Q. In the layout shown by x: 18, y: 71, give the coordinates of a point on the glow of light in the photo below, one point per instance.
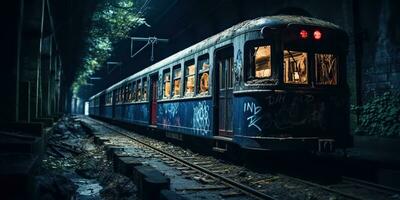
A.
x: 317, y: 35
x: 303, y: 34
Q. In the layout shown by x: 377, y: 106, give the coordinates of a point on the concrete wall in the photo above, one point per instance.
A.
x: 31, y: 76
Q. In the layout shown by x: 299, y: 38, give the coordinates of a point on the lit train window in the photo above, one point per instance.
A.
x: 177, y: 81
x: 167, y: 84
x: 127, y: 93
x: 295, y: 67
x: 138, y: 90
x: 203, y: 65
x: 121, y: 95
x: 144, y: 96
x: 133, y: 92
x: 189, y: 79
x: 326, y: 69
x: 262, y: 60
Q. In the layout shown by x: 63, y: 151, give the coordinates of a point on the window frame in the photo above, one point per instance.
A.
x: 133, y: 91
x: 249, y: 63
x: 127, y: 93
x: 188, y: 63
x: 166, y: 71
x: 145, y: 88
x: 310, y: 78
x: 138, y: 96
x: 338, y: 62
x: 200, y: 71
x: 174, y: 68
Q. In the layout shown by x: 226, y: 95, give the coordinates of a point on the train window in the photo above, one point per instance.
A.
x: 127, y: 93
x: 108, y: 100
x: 189, y: 78
x: 326, y: 69
x: 177, y: 81
x: 262, y: 61
x: 203, y: 65
x: 121, y: 95
x: 167, y: 84
x: 134, y: 88
x: 144, y: 98
x: 295, y: 67
x: 116, y: 95
x: 138, y: 90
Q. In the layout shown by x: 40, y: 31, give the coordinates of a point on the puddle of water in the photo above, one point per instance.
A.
x: 87, y: 188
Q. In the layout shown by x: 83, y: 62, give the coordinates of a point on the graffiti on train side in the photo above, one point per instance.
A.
x: 275, y: 99
x: 285, y: 112
x: 171, y: 109
x: 237, y: 67
x: 255, y: 114
x: 169, y: 113
x: 201, y: 118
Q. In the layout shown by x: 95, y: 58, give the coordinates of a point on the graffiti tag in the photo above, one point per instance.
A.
x: 201, y: 120
x: 255, y: 117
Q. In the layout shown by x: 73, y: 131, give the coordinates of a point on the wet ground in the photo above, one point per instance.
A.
x: 74, y: 167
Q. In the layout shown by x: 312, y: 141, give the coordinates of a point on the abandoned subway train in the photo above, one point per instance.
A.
x: 272, y: 83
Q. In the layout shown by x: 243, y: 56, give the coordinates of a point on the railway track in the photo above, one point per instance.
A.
x: 193, y: 165
x: 244, y: 182
x: 351, y: 188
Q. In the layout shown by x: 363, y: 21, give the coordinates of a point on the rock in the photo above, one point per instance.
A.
x: 55, y: 186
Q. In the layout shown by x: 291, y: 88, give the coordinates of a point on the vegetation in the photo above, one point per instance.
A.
x: 111, y: 22
x: 380, y: 116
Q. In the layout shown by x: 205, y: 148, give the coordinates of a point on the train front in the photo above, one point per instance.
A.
x: 294, y: 93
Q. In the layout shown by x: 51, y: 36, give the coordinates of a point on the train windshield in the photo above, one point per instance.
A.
x: 326, y: 69
x: 262, y: 60
x: 296, y: 65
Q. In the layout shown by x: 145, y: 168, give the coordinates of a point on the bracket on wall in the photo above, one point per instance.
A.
x: 114, y: 64
x: 150, y: 41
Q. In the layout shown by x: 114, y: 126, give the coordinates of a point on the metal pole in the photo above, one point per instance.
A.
x: 39, y: 61
x: 20, y: 26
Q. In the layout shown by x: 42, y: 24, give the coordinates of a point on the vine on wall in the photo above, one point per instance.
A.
x: 380, y: 116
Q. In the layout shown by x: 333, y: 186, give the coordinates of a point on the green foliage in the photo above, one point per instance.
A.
x: 380, y: 116
x: 111, y: 22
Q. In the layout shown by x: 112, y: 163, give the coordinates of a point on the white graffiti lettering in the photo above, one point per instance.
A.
x: 254, y: 111
x: 201, y: 120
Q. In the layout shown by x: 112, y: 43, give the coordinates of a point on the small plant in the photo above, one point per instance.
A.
x: 380, y: 116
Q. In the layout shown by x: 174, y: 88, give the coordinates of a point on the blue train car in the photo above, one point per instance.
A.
x: 272, y: 83
x: 94, y: 105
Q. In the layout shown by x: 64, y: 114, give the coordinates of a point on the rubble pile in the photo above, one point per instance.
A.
x: 74, y: 167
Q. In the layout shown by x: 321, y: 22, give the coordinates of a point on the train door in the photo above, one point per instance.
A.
x: 153, y: 100
x: 223, y: 68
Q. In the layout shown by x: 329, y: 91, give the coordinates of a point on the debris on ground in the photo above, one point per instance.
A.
x: 75, y: 167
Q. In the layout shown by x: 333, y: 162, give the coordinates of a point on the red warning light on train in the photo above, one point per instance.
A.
x: 317, y: 35
x: 303, y: 34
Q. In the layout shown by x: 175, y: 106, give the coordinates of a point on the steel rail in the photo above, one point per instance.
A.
x: 347, y: 195
x: 241, y: 187
x: 371, y: 185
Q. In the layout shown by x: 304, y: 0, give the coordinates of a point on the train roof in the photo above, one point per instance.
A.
x: 96, y: 95
x: 278, y: 21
